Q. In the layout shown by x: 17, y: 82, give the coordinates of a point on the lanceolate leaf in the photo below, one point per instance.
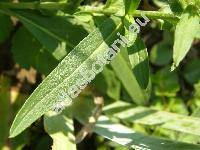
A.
x: 67, y: 79
x: 186, y: 31
x: 133, y: 140
x: 133, y: 71
x: 128, y: 79
x: 153, y: 118
x: 139, y: 60
x: 123, y: 135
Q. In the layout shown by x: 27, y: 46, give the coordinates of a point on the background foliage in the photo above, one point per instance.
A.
x: 147, y: 97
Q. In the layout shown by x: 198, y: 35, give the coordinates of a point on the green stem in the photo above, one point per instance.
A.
x: 136, y: 13
x: 63, y: 5
x: 155, y: 15
x: 34, y: 5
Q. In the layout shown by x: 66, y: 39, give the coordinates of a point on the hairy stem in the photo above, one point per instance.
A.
x: 34, y: 5
x: 136, y: 13
x: 155, y: 15
x: 63, y: 5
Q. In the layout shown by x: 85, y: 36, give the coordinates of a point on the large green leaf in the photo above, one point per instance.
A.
x: 60, y: 128
x: 67, y: 75
x: 186, y: 31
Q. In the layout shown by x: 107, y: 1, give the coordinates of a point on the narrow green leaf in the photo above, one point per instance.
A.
x: 186, y: 30
x: 133, y: 140
x: 67, y: 75
x: 58, y: 34
x: 153, y: 118
x: 60, y: 128
x: 128, y: 79
x: 139, y: 60
x: 123, y: 135
x: 133, y: 71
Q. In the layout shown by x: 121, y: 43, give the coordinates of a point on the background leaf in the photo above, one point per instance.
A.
x: 153, y: 118
x: 121, y: 134
x: 185, y: 33
x: 4, y: 109
x: 28, y: 52
x: 58, y: 34
x: 166, y: 82
x: 107, y: 83
x: 5, y: 27
x: 161, y: 53
x: 60, y: 128
x: 192, y: 71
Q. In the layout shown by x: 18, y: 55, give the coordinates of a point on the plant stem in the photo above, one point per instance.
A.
x: 136, y: 13
x: 155, y: 15
x: 34, y: 5
x: 63, y: 5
